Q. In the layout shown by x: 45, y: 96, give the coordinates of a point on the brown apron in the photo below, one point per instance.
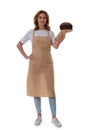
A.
x: 40, y: 78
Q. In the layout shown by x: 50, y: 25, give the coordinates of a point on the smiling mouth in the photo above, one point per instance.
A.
x: 42, y: 22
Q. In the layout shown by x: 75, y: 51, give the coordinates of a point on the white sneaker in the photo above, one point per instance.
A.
x: 38, y: 120
x: 56, y: 122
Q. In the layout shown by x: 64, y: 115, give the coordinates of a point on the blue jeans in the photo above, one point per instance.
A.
x: 52, y: 102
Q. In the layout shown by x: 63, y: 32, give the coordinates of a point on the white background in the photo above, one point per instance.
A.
x: 17, y: 111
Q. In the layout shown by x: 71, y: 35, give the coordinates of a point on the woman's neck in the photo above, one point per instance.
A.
x: 41, y: 28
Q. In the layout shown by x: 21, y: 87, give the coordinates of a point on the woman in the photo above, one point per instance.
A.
x: 40, y: 78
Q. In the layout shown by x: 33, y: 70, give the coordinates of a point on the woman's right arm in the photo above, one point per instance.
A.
x: 20, y: 48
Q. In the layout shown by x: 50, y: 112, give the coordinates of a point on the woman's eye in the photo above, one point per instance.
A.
x: 42, y: 17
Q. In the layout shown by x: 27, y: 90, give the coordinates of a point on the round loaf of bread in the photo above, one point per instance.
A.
x: 66, y: 25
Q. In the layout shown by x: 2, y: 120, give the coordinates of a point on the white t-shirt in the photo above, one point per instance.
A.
x: 29, y: 35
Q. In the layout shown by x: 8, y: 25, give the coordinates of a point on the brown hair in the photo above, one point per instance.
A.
x: 36, y: 20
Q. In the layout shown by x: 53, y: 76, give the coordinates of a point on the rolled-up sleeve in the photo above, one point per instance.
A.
x: 26, y: 37
x: 52, y: 36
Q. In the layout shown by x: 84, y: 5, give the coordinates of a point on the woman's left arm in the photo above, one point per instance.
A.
x: 59, y: 38
x: 55, y: 44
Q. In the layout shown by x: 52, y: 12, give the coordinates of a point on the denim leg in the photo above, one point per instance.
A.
x: 37, y: 101
x: 52, y: 102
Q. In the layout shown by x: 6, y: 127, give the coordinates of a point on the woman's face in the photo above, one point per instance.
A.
x: 42, y: 20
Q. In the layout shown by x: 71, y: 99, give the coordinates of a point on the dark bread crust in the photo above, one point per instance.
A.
x: 66, y: 25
